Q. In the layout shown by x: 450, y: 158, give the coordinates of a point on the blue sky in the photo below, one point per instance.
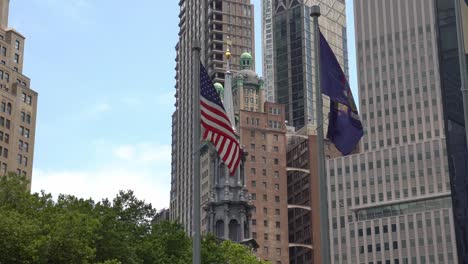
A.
x: 104, y: 71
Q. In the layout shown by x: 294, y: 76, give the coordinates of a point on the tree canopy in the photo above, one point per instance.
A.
x: 35, y: 228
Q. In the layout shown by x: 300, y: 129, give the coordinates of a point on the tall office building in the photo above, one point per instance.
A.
x: 213, y: 22
x: 303, y: 194
x: 18, y: 102
x: 452, y: 99
x: 391, y: 204
x: 267, y: 49
x: 294, y: 60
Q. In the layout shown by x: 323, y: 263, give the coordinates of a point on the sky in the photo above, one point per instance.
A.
x: 104, y: 71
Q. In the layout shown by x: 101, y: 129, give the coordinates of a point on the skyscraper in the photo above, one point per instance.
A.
x: 18, y: 102
x: 454, y: 119
x: 267, y: 48
x: 213, y: 22
x: 391, y: 204
x: 294, y: 61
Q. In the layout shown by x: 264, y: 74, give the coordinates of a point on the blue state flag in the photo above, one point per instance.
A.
x: 344, y: 127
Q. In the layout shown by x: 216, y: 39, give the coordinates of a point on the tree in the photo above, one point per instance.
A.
x: 35, y: 228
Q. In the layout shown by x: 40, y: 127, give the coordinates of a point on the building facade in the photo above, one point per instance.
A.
x: 303, y: 194
x: 454, y: 122
x: 263, y: 134
x: 18, y: 106
x: 391, y: 204
x: 294, y: 60
x: 267, y: 49
x: 215, y: 23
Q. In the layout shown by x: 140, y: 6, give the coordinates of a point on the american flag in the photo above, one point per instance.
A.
x: 218, y: 128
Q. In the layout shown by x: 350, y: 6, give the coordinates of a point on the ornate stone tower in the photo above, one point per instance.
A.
x: 248, y: 87
x: 228, y: 208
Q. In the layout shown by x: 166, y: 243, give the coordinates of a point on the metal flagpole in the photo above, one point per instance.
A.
x: 461, y: 55
x: 196, y: 254
x: 324, y: 239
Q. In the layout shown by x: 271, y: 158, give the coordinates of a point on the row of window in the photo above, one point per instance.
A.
x: 264, y: 184
x: 4, y: 137
x: 263, y: 135
x: 24, y: 131
x: 4, y: 76
x: 414, y: 260
x: 5, y: 122
x: 22, y: 160
x: 26, y: 117
x: 378, y: 164
x: 5, y: 108
x: 265, y: 223
x: 264, y: 159
x: 20, y: 172
x: 264, y: 172
x: 23, y: 145
x: 263, y: 147
x: 265, y: 197
x: 26, y: 98
x: 3, y: 152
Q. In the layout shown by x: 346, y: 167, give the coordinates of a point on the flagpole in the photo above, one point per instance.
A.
x: 324, y: 231
x: 462, y: 60
x: 196, y: 238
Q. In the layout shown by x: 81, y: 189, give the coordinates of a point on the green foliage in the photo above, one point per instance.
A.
x: 36, y: 229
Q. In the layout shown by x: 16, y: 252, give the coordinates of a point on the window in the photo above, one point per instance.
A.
x: 277, y: 199
x: 26, y: 146
x: 3, y: 107
x: 16, y: 58
x: 277, y: 211
x: 28, y: 100
x: 276, y: 161
x: 254, y: 184
x: 20, y: 159
x: 7, y: 138
x: 28, y: 118
x: 4, y: 51
x: 5, y: 153
x: 17, y: 44
x: 278, y: 224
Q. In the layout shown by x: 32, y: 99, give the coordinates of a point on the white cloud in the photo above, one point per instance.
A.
x: 143, y: 168
x: 103, y: 107
x: 144, y: 152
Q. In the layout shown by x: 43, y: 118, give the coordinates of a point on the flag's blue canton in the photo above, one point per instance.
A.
x: 344, y: 127
x: 207, y: 89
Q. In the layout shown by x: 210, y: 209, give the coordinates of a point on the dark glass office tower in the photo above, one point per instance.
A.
x: 452, y: 100
x: 294, y: 62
